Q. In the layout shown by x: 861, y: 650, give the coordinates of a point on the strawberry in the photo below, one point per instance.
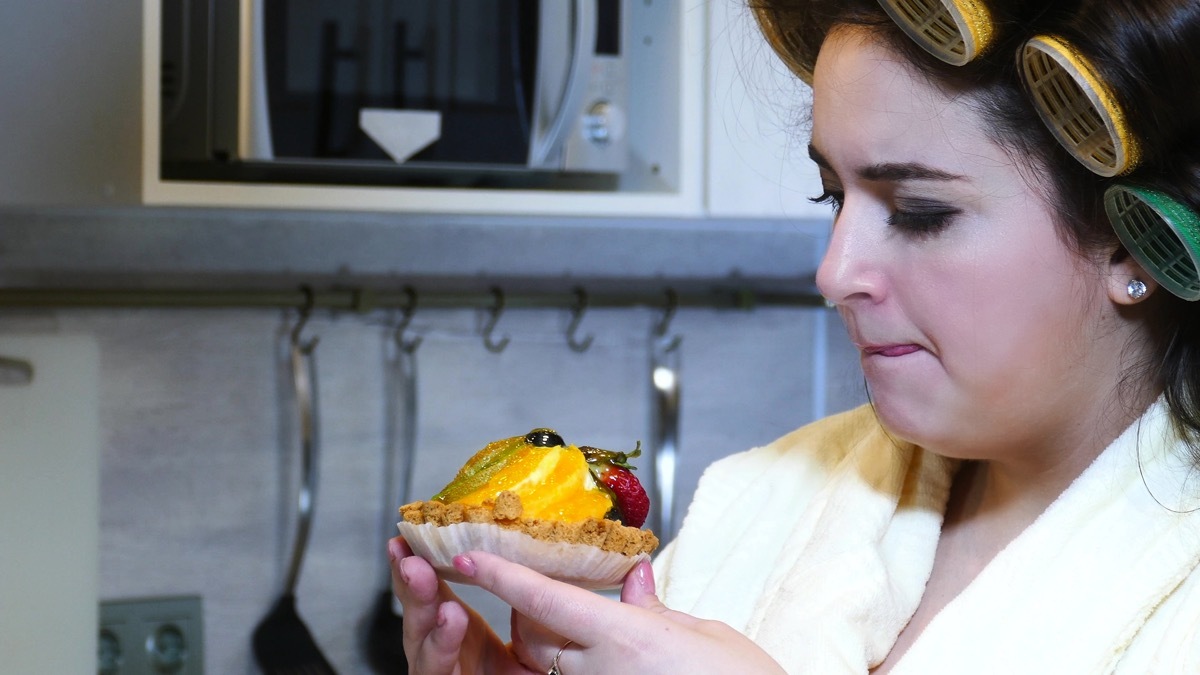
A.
x: 613, y: 471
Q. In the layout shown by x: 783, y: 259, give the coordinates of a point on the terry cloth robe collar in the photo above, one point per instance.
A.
x: 819, y: 547
x: 1072, y: 591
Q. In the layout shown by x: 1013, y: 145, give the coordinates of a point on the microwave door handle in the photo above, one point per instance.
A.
x: 583, y: 45
x: 254, y: 118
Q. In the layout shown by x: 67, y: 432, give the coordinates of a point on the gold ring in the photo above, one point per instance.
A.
x: 554, y: 669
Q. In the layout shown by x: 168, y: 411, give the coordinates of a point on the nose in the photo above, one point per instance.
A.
x: 852, y: 266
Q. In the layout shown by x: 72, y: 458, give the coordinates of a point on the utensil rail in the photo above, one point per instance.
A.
x: 365, y: 300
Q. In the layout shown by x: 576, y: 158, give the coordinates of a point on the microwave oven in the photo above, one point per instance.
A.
x: 394, y: 92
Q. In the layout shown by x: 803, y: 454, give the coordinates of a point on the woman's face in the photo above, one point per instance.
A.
x: 979, y: 330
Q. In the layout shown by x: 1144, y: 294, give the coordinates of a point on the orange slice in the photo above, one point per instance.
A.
x: 553, y: 483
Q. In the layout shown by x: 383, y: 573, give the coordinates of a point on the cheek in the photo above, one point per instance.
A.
x: 967, y: 286
x: 1010, y: 321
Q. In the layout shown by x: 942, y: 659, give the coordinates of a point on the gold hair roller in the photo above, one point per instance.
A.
x: 1078, y: 106
x: 784, y: 42
x: 955, y: 31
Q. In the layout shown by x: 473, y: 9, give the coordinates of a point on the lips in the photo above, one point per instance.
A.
x: 889, y: 350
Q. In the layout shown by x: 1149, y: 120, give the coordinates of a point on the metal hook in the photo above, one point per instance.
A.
x: 310, y: 301
x: 407, y: 311
x: 664, y: 323
x: 496, y: 311
x: 577, y: 311
x: 668, y: 313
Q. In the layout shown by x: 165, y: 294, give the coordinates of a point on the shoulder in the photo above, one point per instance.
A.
x: 795, y: 464
x: 748, y: 506
x: 824, y: 443
x: 1169, y: 641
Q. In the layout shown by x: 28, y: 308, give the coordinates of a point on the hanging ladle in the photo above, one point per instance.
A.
x: 664, y: 381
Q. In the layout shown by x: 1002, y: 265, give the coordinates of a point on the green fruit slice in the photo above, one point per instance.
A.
x: 487, y: 462
x: 480, y: 469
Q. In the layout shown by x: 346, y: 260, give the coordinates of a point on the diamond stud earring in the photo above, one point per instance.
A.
x: 1136, y: 289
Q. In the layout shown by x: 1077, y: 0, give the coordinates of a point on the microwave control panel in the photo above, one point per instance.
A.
x: 598, y: 141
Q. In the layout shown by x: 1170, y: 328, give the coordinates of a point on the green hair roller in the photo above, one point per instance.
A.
x: 1161, y: 233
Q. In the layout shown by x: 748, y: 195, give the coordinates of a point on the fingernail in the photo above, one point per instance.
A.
x: 441, y: 616
x: 644, y: 574
x: 404, y: 570
x: 464, y: 564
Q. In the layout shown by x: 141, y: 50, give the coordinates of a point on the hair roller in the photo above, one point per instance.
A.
x: 784, y: 35
x: 1115, y: 81
x: 955, y: 31
x: 1078, y: 106
x: 1161, y: 233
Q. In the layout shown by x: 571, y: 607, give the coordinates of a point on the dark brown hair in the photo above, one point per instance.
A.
x: 1147, y: 51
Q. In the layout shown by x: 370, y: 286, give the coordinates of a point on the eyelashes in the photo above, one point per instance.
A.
x: 830, y: 198
x: 920, y: 223
x: 917, y: 218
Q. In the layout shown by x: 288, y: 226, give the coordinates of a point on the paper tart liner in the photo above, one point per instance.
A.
x: 579, y: 564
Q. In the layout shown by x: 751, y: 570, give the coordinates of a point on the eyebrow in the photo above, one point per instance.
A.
x: 890, y: 171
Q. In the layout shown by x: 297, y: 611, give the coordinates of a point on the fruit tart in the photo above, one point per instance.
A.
x: 571, y: 513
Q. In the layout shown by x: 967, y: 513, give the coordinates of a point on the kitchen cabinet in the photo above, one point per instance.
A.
x: 717, y: 139
x: 49, y: 503
x: 70, y: 120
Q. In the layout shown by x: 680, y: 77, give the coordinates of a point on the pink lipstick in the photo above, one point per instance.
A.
x: 890, y: 350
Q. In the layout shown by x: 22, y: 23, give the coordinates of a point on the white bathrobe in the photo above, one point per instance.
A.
x: 819, y: 547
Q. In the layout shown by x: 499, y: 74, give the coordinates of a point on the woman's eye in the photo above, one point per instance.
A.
x: 922, y: 221
x: 833, y: 198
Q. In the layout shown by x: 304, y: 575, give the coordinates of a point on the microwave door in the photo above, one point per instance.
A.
x: 333, y: 66
x: 566, y: 41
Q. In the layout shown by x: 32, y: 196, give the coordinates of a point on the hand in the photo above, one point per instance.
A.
x: 638, y: 634
x: 442, y: 635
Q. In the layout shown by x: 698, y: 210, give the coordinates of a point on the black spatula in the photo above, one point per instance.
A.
x: 282, y: 642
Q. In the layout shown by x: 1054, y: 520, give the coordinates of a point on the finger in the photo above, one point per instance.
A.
x: 397, y: 547
x: 638, y: 588
x: 639, y: 591
x: 434, y: 628
x: 416, y: 585
x: 572, y: 612
x: 438, y: 652
x: 533, y: 644
x: 413, y: 579
x: 514, y: 630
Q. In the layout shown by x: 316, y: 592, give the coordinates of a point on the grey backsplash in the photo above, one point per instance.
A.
x: 199, y: 452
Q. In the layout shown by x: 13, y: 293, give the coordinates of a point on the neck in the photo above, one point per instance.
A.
x: 1009, y: 492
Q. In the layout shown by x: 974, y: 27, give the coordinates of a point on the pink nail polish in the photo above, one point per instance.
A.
x: 464, y: 564
x: 645, y: 577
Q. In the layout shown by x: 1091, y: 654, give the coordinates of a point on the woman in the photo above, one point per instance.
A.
x: 1019, y: 495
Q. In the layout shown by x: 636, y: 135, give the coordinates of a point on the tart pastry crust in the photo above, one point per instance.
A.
x: 506, y: 510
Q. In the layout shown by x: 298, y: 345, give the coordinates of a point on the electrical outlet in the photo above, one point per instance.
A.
x: 151, y: 636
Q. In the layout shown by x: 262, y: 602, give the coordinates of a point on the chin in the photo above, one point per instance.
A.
x: 909, y: 419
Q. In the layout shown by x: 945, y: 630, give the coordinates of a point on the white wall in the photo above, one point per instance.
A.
x: 198, y: 463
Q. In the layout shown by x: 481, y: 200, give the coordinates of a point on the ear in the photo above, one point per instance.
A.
x: 1123, y: 269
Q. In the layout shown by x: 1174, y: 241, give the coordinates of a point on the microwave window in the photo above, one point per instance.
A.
x: 470, y: 60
